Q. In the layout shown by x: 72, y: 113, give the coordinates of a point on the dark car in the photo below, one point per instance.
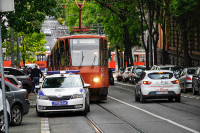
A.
x: 196, y: 82
x: 185, y: 78
x: 21, y: 76
x: 111, y: 78
x: 19, y: 102
x: 135, y: 73
x: 119, y: 73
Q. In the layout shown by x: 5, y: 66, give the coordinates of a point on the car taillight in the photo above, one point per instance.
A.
x: 175, y: 81
x: 147, y: 82
x: 30, y: 79
x: 188, y: 78
x: 26, y: 95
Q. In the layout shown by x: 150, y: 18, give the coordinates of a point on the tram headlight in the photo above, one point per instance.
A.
x: 96, y: 80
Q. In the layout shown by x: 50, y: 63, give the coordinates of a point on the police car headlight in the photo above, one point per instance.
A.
x: 77, y: 96
x: 96, y: 80
x: 42, y: 97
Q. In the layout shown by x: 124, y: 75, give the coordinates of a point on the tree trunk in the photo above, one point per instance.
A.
x: 164, y: 44
x: 18, y: 51
x: 185, y: 43
x: 12, y: 48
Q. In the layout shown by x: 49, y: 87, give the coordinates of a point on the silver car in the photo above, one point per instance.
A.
x: 19, y: 102
x: 185, y: 78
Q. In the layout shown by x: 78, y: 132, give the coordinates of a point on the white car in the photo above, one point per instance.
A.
x: 47, y: 32
x: 63, y: 92
x: 2, y: 124
x: 157, y: 84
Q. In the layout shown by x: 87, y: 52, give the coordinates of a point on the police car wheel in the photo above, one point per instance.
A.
x: 86, y: 110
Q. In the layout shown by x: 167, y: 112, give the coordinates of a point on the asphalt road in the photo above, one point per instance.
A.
x: 121, y: 114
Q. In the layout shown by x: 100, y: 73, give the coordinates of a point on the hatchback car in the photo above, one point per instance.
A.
x: 125, y: 75
x: 155, y: 84
x: 63, y: 92
x: 135, y: 73
x: 21, y: 76
x: 186, y: 78
x: 196, y: 82
x: 19, y: 102
x: 2, y: 124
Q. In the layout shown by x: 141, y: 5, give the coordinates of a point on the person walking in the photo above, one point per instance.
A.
x: 36, y: 74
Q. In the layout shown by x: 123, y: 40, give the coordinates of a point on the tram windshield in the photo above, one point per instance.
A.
x: 84, y: 52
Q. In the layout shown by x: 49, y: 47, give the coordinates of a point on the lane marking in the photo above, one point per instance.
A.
x: 45, y: 125
x: 124, y: 84
x: 123, y: 88
x: 157, y: 116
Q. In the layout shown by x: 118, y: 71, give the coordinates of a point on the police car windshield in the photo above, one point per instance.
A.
x: 62, y: 82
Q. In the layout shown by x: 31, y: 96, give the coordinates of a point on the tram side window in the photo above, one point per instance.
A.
x: 62, y: 54
x: 142, y: 58
x: 104, y: 53
x: 135, y: 58
x: 67, y: 53
x: 40, y: 57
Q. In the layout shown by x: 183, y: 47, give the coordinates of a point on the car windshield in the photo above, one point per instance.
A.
x: 191, y: 71
x: 84, y: 52
x: 62, y: 82
x: 160, y: 75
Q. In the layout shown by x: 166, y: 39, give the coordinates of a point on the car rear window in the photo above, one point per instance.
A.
x: 62, y: 82
x: 191, y: 71
x: 160, y: 75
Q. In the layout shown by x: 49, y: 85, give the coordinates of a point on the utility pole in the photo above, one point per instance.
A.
x: 5, y: 6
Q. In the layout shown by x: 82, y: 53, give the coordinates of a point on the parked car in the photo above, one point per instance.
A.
x: 21, y: 76
x: 176, y: 70
x: 162, y: 67
x: 125, y: 75
x: 111, y: 78
x: 135, y: 73
x: 61, y: 93
x: 186, y: 78
x: 2, y: 124
x: 196, y: 82
x: 156, y: 84
x: 14, y: 81
x: 47, y: 32
x: 119, y: 73
x: 19, y: 102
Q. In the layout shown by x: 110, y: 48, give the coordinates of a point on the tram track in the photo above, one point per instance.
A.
x: 93, y: 125
x: 120, y: 118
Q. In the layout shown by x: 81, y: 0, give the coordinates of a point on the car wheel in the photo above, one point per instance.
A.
x: 16, y: 115
x: 142, y: 99
x: 39, y: 114
x: 193, y: 90
x: 178, y: 98
x: 87, y: 108
x: 137, y: 99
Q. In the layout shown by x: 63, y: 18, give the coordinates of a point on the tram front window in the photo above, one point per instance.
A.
x: 84, y: 52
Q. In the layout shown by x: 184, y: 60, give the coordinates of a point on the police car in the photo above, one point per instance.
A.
x: 63, y: 92
x: 157, y: 84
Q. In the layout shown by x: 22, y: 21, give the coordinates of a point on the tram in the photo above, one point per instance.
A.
x: 86, y: 53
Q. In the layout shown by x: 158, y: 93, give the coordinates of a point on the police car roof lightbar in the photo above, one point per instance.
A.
x: 62, y: 72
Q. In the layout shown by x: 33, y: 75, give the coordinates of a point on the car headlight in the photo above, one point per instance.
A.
x: 96, y: 80
x: 77, y: 96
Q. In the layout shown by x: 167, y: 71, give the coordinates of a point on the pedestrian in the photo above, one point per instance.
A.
x: 36, y: 74
x: 26, y: 70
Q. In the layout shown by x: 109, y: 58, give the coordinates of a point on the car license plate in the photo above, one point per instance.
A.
x: 162, y: 92
x: 58, y: 103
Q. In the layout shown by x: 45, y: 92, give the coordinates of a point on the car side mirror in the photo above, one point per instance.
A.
x: 86, y: 85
